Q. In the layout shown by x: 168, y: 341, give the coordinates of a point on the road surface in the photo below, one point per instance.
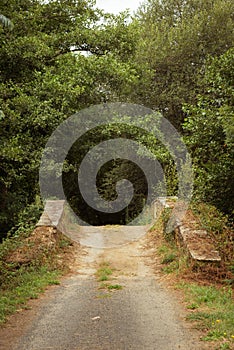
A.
x: 78, y: 315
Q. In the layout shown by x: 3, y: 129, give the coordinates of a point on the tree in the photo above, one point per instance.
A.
x: 209, y: 130
x: 44, y: 78
x: 175, y: 39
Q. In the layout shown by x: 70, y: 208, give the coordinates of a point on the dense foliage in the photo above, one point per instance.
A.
x: 210, y: 133
x: 176, y: 36
x: 186, y: 48
x: 44, y: 79
x: 173, y: 56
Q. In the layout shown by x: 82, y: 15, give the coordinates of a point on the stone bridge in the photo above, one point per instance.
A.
x: 197, y: 242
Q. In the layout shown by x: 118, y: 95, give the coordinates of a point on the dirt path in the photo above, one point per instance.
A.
x: 78, y: 315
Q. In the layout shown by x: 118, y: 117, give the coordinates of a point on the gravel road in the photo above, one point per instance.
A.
x: 78, y: 315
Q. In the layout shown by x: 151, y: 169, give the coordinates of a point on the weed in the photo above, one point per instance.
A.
x: 224, y: 346
x: 104, y: 272
x: 103, y: 285
x: 163, y: 249
x: 212, y: 306
x: 218, y: 225
x: 168, y: 258
x: 103, y: 278
x: 171, y: 257
x: 210, y: 218
x: 29, y: 285
x: 64, y: 243
x: 192, y: 306
x: 115, y: 286
x: 214, y: 310
x: 173, y: 266
x: 27, y: 265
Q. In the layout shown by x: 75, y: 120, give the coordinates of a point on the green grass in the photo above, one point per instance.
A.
x: 108, y: 286
x: 115, y: 287
x: 171, y: 267
x: 211, y: 307
x: 27, y: 285
x: 21, y: 281
x: 171, y: 257
x: 214, y: 311
x: 103, y: 274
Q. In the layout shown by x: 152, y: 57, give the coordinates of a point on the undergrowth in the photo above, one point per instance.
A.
x: 29, y: 262
x: 220, y: 227
x: 212, y: 310
x: 23, y: 285
x: 207, y: 287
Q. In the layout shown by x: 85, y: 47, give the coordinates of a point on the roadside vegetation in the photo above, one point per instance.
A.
x: 212, y: 310
x: 59, y: 57
x: 30, y: 261
x: 207, y: 288
x: 175, y: 57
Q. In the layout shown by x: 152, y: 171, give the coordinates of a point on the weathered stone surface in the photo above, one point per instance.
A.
x: 53, y: 213
x: 161, y: 203
x: 197, y: 242
x: 57, y: 215
x: 44, y: 220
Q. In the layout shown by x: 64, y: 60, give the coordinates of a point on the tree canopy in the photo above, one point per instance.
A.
x: 209, y: 130
x: 62, y: 56
x: 47, y: 73
x: 176, y: 37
